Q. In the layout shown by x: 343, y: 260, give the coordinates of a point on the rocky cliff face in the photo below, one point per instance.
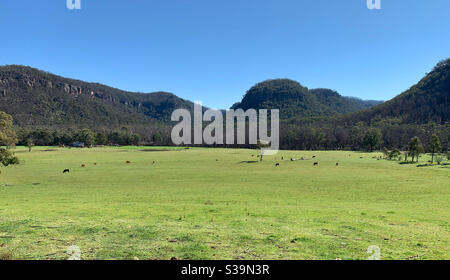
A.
x: 36, y: 97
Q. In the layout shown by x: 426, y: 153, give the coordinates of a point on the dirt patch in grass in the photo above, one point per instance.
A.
x: 6, y: 255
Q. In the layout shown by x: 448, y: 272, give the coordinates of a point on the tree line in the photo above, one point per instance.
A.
x: 315, y: 135
x: 47, y: 137
x: 416, y: 148
x: 332, y: 135
x: 397, y: 141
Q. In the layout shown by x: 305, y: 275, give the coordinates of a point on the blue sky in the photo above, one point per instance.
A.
x: 213, y: 51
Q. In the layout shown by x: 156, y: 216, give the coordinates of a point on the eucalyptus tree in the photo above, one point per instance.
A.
x: 434, y: 146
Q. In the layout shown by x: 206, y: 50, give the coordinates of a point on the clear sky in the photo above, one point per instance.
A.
x: 215, y: 50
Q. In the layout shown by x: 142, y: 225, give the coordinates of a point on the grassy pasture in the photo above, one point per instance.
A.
x: 221, y: 204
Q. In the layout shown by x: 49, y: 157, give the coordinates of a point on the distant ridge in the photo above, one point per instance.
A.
x: 45, y: 104
x: 295, y: 100
x: 35, y: 97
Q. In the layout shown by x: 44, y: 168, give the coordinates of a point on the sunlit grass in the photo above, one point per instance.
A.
x: 221, y: 204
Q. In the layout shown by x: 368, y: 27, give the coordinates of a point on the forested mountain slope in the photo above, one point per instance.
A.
x: 35, y: 97
x: 295, y: 100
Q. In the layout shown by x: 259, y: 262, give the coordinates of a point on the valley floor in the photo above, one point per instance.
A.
x: 221, y: 204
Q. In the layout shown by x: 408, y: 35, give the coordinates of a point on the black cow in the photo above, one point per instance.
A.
x: 66, y: 171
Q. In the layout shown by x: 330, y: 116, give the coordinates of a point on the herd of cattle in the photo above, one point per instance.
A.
x: 84, y: 165
x: 276, y: 164
x: 296, y: 159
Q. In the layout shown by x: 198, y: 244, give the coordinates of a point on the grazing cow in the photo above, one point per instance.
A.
x: 128, y: 161
x: 83, y: 165
x: 282, y: 158
x: 360, y: 157
x: 217, y: 160
x: 314, y: 157
x: 66, y: 171
x: 154, y: 162
x: 277, y: 164
x: 316, y: 163
x: 95, y: 163
x: 337, y: 163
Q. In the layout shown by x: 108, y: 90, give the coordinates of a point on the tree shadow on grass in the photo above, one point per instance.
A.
x: 424, y: 165
x: 407, y: 162
x: 248, y: 161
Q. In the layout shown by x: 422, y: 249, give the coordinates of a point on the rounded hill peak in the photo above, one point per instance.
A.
x: 277, y: 86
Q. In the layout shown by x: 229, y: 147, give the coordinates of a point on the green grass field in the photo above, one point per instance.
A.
x: 190, y: 206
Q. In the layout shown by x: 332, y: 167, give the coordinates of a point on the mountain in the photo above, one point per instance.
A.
x: 35, y: 97
x: 426, y: 102
x: 295, y: 100
x: 342, y: 104
x: 44, y: 106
